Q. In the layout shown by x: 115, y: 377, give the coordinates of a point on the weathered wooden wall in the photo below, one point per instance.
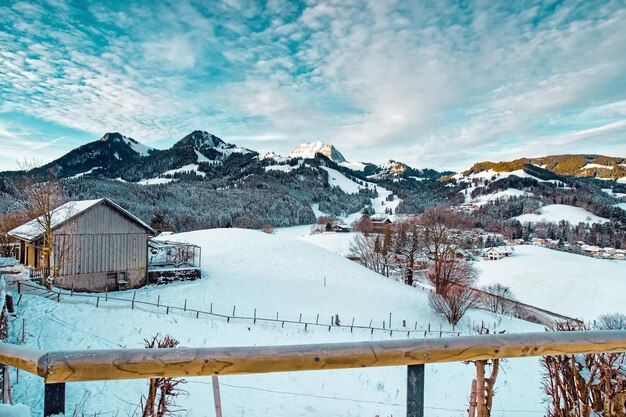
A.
x: 98, y: 241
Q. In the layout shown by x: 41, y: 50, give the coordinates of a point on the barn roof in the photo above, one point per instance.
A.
x: 34, y: 229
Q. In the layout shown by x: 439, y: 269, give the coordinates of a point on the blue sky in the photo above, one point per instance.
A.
x: 434, y: 84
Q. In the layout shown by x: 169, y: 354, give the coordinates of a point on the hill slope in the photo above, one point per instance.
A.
x: 596, y: 166
x: 274, y: 274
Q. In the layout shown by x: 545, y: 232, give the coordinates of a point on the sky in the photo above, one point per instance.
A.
x: 433, y: 84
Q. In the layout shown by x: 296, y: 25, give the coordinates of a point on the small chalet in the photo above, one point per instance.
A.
x: 498, y: 252
x: 96, y: 246
x: 458, y: 252
x: 342, y: 228
x: 380, y: 224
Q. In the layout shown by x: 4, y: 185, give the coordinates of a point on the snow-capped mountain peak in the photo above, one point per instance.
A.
x: 199, y: 139
x: 310, y: 149
x: 116, y: 137
x: 394, y: 167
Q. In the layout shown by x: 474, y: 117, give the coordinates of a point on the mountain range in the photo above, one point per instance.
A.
x: 577, y: 165
x: 117, y: 156
x: 203, y: 181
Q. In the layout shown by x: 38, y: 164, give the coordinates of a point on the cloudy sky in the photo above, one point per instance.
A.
x: 431, y: 83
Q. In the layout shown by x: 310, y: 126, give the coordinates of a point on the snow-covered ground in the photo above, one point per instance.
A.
x: 337, y: 179
x: 379, y: 204
x: 338, y: 243
x: 557, y: 212
x: 274, y: 273
x: 574, y: 285
x: 186, y: 169
x: 508, y: 193
x: 610, y: 192
x: 592, y: 166
x: 155, y: 181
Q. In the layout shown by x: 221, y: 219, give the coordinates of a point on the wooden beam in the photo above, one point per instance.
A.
x: 23, y: 357
x: 94, y: 365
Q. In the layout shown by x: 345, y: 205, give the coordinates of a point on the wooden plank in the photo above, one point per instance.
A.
x: 415, y: 391
x: 93, y: 365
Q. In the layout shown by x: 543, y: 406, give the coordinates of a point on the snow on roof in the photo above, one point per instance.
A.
x: 33, y: 229
x: 501, y: 249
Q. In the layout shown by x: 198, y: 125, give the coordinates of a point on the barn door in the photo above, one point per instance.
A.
x: 112, y: 284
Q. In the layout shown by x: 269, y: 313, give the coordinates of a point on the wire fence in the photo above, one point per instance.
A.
x: 329, y: 321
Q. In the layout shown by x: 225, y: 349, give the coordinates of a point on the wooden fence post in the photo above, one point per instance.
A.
x: 254, y: 322
x: 216, y: 396
x: 132, y: 305
x: 415, y: 391
x: 54, y: 399
x: 7, y: 397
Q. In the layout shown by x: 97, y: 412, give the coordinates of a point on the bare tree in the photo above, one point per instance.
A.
x: 408, y: 241
x: 364, y: 225
x: 453, y: 303
x: 8, y: 222
x: 497, y: 298
x: 371, y: 251
x: 450, y: 272
x: 41, y: 195
x: 439, y: 243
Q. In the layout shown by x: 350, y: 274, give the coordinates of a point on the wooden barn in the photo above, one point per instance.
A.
x: 96, y: 246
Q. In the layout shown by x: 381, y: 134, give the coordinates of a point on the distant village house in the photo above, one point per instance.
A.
x: 498, y: 252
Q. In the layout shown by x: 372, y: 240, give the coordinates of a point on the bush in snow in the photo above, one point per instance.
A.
x: 612, y: 321
x: 497, y: 299
x: 584, y: 385
x: 453, y: 303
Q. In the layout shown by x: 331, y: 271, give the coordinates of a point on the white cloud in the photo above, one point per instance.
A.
x: 421, y: 82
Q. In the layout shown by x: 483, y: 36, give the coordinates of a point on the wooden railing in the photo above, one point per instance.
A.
x: 59, y: 367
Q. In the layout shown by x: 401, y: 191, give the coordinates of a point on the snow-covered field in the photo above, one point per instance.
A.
x: 557, y: 212
x: 379, y: 204
x: 574, y: 285
x: 274, y: 273
x: 508, y: 193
